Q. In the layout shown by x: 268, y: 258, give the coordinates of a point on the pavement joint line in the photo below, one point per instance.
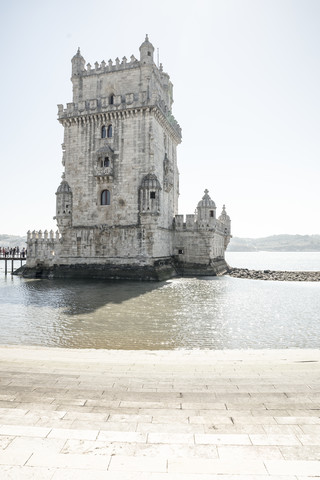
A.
x: 176, y: 372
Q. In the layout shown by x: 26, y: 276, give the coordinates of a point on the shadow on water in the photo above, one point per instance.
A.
x: 207, y: 312
x: 113, y: 314
x: 79, y: 296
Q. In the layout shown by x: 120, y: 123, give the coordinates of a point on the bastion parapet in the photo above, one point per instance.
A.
x: 117, y: 203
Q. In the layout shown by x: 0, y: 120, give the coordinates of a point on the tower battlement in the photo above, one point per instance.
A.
x: 117, y: 203
x: 125, y: 105
x: 124, y: 64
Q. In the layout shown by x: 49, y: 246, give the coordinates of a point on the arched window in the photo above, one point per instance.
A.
x: 105, y: 197
x: 109, y: 131
x: 111, y: 99
x: 106, y: 162
x: 103, y: 132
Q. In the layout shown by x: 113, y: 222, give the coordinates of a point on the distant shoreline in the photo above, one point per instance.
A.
x: 274, y: 243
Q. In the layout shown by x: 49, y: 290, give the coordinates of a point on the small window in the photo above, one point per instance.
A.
x: 111, y: 100
x: 103, y: 132
x: 180, y: 251
x: 106, y: 162
x: 152, y: 194
x: 149, y: 54
x: 211, y: 213
x: 105, y: 197
x: 109, y: 132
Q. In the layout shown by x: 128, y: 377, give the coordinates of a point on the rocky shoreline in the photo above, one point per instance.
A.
x: 282, y: 276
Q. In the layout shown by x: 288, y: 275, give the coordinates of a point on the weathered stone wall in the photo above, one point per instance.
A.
x: 198, y: 244
x: 215, y: 267
x: 109, y: 271
x: 121, y: 115
x: 141, y: 140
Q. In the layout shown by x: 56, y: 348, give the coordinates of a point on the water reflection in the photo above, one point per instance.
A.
x: 210, y: 313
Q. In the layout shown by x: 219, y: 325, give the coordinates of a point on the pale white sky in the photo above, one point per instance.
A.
x: 246, y: 77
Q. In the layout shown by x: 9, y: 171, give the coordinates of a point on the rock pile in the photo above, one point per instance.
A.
x: 274, y: 275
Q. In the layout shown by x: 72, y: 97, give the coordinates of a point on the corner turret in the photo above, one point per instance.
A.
x: 206, y: 210
x: 146, y: 52
x: 63, y: 206
x: 78, y: 68
x: 78, y: 63
x: 225, y: 219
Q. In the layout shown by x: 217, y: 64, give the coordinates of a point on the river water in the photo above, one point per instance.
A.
x: 182, y: 313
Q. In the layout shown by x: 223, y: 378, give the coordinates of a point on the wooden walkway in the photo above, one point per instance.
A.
x: 12, y: 260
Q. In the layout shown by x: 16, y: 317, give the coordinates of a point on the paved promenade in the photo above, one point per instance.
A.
x: 132, y: 415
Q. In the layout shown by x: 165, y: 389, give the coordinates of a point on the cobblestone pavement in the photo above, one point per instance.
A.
x: 176, y: 415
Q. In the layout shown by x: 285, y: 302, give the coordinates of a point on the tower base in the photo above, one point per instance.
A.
x: 161, y: 270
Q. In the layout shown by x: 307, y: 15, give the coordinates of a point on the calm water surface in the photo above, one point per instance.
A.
x: 193, y: 313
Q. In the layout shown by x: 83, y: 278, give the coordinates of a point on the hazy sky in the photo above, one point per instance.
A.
x: 246, y: 77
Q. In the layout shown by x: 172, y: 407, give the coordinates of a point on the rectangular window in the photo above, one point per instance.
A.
x: 152, y: 194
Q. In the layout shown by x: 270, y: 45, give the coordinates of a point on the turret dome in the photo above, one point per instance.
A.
x: 78, y: 63
x: 224, y: 217
x: 146, y: 44
x: 150, y: 181
x: 64, y: 187
x: 206, y: 201
x: 78, y: 55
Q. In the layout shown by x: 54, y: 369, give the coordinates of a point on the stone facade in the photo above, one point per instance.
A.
x: 117, y: 204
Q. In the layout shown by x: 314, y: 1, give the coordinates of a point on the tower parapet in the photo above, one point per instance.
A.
x: 42, y: 247
x: 108, y: 87
x: 117, y: 203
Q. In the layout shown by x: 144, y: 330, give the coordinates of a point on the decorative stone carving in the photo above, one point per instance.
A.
x: 117, y: 204
x: 167, y: 174
x: 149, y: 193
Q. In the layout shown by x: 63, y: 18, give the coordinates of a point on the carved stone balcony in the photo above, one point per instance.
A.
x: 103, y: 173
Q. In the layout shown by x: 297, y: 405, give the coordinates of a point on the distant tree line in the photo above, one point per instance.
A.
x: 276, y: 243
x: 13, y: 241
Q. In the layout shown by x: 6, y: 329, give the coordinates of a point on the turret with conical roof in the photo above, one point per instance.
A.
x: 146, y: 52
x: 78, y: 63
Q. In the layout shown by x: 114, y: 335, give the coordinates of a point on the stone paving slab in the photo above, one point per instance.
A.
x: 159, y: 415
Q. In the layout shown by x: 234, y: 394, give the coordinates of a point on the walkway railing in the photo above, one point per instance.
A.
x: 18, y: 257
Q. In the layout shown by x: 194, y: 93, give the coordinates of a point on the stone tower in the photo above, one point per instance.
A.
x: 117, y: 203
